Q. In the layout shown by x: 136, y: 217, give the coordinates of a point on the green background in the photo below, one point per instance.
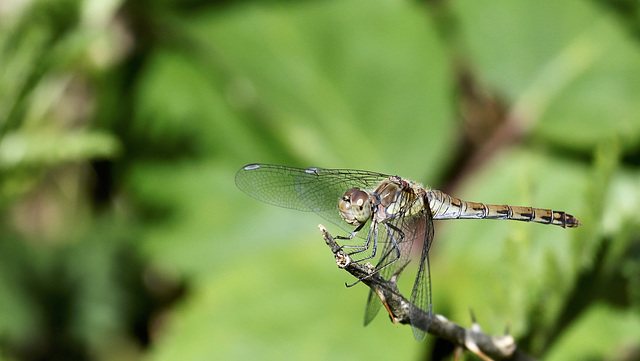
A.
x: 122, y: 124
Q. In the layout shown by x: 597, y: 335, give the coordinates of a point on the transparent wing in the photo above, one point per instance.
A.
x: 421, y: 293
x: 399, y: 235
x: 311, y: 190
x: 388, y: 254
x: 372, y: 308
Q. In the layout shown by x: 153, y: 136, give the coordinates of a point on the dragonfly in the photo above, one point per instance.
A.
x: 392, y: 214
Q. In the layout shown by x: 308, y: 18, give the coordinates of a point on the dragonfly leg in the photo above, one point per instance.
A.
x: 362, y: 248
x: 351, y: 235
x: 395, y: 248
x: 373, y: 234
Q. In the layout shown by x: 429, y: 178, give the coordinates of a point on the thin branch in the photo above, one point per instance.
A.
x: 473, y: 339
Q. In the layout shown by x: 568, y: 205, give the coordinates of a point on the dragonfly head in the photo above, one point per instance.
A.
x: 355, y: 206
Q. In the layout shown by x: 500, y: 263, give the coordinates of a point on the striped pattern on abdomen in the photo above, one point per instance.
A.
x: 444, y: 206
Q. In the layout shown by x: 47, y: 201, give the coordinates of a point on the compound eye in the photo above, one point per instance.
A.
x: 359, y: 199
x: 355, y: 206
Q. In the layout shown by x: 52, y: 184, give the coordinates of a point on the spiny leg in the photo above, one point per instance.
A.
x: 352, y: 234
x: 395, y: 247
x: 373, y: 234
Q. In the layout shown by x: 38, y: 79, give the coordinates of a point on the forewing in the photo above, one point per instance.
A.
x: 399, y: 235
x: 311, y: 190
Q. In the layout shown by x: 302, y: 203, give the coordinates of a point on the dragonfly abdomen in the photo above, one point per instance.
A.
x: 444, y: 206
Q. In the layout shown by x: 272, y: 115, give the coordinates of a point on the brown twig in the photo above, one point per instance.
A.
x: 473, y: 339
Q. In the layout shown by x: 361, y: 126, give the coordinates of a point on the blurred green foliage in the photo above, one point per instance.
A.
x: 122, y: 125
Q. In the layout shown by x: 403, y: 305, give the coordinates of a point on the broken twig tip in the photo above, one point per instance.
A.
x: 342, y: 259
x: 328, y: 239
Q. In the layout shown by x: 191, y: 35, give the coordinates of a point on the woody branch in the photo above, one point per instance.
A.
x: 473, y: 339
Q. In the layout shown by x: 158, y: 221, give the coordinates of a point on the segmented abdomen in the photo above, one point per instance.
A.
x: 444, y: 206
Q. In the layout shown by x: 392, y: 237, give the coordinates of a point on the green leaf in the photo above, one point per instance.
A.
x: 334, y: 84
x: 566, y: 66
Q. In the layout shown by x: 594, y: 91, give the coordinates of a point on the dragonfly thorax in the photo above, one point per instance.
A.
x: 355, y: 207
